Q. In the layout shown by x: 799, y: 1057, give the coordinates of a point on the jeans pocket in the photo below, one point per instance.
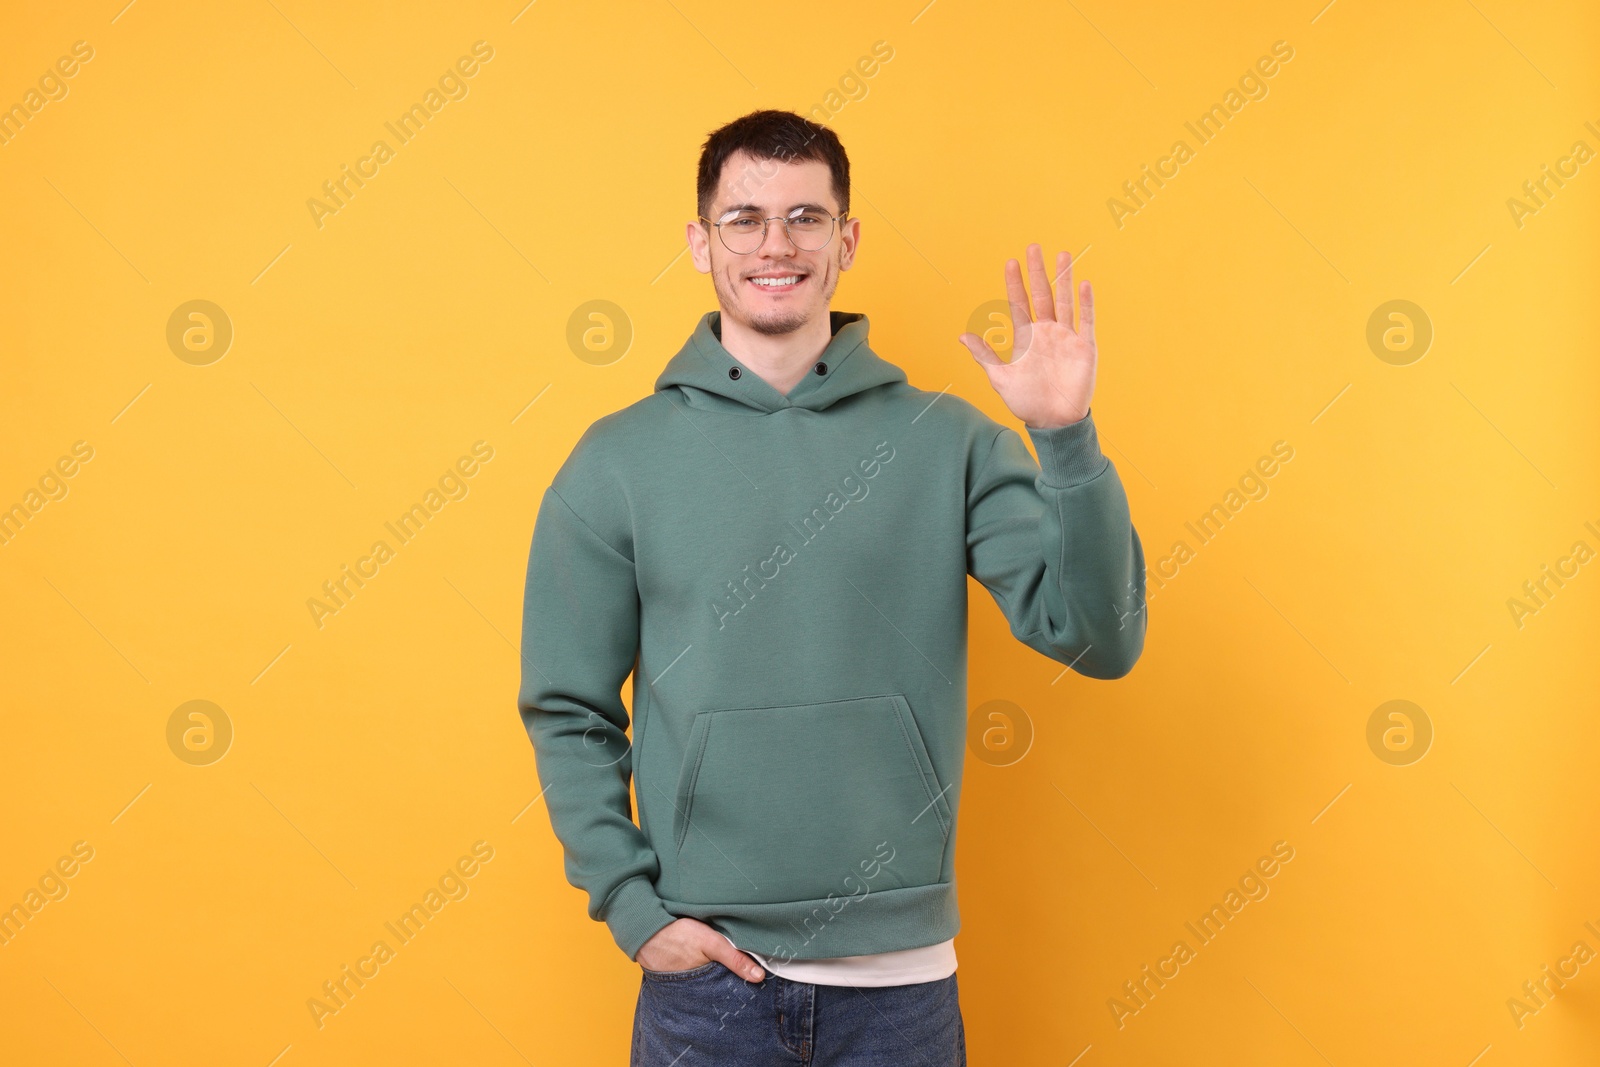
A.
x: 705, y: 968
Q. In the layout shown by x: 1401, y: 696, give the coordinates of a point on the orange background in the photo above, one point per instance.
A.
x: 369, y: 353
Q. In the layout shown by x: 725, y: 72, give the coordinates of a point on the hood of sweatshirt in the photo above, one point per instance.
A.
x: 708, y: 376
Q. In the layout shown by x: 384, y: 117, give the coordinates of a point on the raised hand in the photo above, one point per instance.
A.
x: 1050, y: 379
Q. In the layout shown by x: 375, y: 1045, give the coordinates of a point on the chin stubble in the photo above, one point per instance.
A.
x: 789, y: 323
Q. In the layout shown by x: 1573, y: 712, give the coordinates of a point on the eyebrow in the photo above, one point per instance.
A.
x: 823, y: 208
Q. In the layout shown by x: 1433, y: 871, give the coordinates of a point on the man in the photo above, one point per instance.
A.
x: 776, y: 543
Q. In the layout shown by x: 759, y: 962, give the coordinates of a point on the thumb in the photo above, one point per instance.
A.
x: 736, y: 961
x: 980, y: 349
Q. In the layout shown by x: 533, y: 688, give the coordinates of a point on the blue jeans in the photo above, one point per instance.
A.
x: 710, y: 1017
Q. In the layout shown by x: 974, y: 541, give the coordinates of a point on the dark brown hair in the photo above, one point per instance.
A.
x: 772, y: 135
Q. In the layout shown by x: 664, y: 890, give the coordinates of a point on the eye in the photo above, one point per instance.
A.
x: 743, y: 222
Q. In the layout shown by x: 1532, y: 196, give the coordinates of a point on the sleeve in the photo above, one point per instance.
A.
x: 1053, y: 543
x: 580, y: 639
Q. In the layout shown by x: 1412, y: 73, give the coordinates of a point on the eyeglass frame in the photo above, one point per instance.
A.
x: 834, y: 220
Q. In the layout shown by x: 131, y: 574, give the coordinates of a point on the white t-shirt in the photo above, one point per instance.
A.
x: 907, y: 966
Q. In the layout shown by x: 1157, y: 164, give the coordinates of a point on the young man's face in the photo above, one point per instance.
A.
x: 773, y: 188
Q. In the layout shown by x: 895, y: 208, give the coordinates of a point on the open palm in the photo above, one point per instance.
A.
x: 1050, y: 379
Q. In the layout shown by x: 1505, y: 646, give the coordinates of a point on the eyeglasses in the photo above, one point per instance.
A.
x: 744, y: 232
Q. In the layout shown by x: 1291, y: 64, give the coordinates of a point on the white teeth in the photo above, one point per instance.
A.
x: 773, y: 283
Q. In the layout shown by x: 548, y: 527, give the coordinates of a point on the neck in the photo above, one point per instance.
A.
x: 781, y: 360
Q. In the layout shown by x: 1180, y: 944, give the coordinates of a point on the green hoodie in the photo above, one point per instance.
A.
x: 786, y: 578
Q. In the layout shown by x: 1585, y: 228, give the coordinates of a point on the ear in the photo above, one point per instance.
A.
x: 699, y: 245
x: 849, y: 237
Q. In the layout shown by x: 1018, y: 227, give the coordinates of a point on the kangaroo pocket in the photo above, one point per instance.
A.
x: 798, y: 801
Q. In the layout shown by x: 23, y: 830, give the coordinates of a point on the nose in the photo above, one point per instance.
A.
x: 776, y: 243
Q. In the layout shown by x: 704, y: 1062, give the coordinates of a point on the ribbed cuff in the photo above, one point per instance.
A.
x: 1069, y: 455
x: 634, y: 913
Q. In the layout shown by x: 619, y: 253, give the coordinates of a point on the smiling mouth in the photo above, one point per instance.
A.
x: 779, y: 283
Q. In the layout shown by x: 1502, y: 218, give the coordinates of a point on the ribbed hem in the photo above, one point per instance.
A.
x: 1069, y: 455
x: 884, y: 920
x: 634, y: 913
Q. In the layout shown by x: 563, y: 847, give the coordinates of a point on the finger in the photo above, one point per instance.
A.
x: 1039, y: 282
x: 980, y: 349
x: 738, y: 962
x: 1086, y: 301
x: 1016, y: 295
x: 1064, y: 288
